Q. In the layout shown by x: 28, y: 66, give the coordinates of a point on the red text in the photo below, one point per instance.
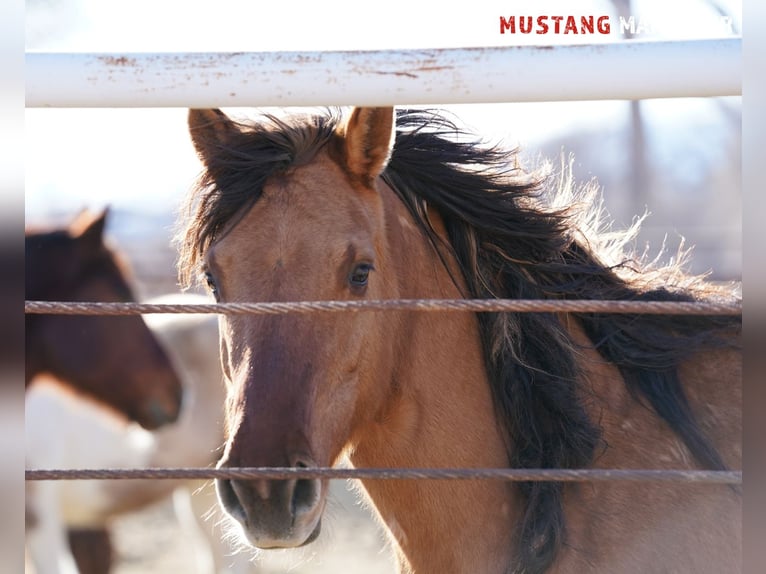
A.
x: 555, y: 25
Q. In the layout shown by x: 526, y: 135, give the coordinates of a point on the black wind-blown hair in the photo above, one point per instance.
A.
x: 235, y: 174
x: 508, y: 244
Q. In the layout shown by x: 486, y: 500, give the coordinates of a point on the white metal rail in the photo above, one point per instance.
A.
x: 625, y: 70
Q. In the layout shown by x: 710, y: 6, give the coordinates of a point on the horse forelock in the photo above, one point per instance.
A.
x: 513, y: 234
x: 235, y: 175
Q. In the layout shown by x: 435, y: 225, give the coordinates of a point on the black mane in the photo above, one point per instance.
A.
x: 510, y: 243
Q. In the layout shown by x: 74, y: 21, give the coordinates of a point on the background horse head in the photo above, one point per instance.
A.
x: 64, y: 431
x: 327, y: 208
x: 115, y: 360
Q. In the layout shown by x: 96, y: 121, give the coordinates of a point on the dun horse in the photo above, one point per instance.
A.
x: 385, y: 206
x: 116, y: 360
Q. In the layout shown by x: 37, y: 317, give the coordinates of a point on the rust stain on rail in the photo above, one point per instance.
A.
x: 415, y: 61
x: 394, y: 73
x: 118, y: 60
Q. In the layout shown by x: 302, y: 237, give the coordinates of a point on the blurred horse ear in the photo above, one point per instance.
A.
x: 88, y: 228
x: 368, y: 139
x: 210, y: 130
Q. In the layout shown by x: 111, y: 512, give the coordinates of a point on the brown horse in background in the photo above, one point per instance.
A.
x: 378, y: 206
x: 116, y: 360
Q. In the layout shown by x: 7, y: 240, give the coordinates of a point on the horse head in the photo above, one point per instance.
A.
x: 115, y: 360
x: 299, y: 387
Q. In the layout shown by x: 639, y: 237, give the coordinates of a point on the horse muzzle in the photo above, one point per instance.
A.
x: 161, y: 409
x: 157, y: 415
x: 275, y: 513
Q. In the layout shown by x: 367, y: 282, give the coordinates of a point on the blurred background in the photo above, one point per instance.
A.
x: 679, y: 160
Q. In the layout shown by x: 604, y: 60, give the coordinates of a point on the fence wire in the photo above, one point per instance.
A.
x: 507, y: 474
x: 475, y: 305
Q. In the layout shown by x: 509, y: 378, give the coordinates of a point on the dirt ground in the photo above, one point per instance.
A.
x: 152, y: 541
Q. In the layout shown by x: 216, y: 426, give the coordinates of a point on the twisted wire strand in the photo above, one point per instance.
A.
x: 475, y: 305
x: 507, y: 474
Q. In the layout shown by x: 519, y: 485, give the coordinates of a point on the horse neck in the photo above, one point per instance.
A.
x: 440, y: 415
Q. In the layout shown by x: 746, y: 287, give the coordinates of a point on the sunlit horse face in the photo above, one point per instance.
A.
x: 116, y: 360
x: 296, y: 382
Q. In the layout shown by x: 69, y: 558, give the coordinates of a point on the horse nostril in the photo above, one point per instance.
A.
x: 228, y: 498
x: 305, y: 492
x: 304, y: 495
x: 158, y: 414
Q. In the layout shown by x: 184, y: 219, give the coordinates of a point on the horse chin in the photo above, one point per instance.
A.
x: 273, y: 544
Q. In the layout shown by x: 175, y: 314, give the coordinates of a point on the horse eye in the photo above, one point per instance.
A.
x: 211, y: 283
x: 360, y: 274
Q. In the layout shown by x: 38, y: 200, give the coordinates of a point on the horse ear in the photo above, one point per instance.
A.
x: 368, y: 139
x: 88, y: 228
x: 210, y: 130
